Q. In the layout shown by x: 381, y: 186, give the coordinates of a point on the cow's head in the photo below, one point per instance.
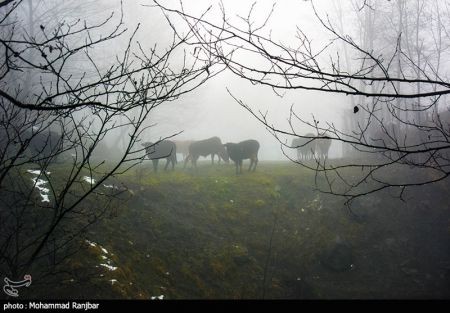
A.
x: 224, y: 154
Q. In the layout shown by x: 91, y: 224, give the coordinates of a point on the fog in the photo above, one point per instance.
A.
x: 210, y: 110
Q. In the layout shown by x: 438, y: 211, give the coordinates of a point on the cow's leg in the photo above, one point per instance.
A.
x: 212, y: 158
x: 186, y: 160
x: 194, y: 160
x: 255, y: 163
x: 237, y: 166
x: 240, y: 166
x: 167, y: 164
x: 155, y: 165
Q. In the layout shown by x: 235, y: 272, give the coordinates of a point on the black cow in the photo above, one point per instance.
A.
x: 210, y: 146
x: 247, y: 149
x: 164, y: 149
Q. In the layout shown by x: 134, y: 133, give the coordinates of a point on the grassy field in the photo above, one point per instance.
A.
x: 268, y: 234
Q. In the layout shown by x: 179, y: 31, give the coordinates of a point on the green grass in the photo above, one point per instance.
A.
x: 206, y: 234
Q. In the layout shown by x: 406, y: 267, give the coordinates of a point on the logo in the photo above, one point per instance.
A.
x: 10, y: 286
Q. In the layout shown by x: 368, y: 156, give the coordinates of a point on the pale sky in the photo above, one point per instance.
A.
x: 210, y: 111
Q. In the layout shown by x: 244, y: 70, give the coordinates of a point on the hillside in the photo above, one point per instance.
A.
x: 212, y: 234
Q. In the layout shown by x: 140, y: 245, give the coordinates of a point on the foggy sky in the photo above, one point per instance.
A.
x: 210, y: 110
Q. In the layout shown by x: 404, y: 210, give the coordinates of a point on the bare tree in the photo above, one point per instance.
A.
x: 394, y: 86
x: 54, y: 183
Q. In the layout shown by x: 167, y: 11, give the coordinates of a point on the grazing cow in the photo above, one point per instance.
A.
x: 323, y: 146
x: 183, y: 147
x: 306, y: 147
x: 210, y: 146
x: 247, y: 149
x: 164, y: 149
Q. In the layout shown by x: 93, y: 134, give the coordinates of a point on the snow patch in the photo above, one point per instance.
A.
x: 92, y: 244
x: 108, y: 262
x: 110, y: 186
x: 45, y: 198
x: 39, y: 185
x: 89, y: 180
x: 37, y: 172
x: 109, y: 267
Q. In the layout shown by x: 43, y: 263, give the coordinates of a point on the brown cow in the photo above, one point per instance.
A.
x: 210, y: 146
x: 183, y: 147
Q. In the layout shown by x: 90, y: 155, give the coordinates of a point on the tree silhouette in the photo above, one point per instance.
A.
x: 54, y: 179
